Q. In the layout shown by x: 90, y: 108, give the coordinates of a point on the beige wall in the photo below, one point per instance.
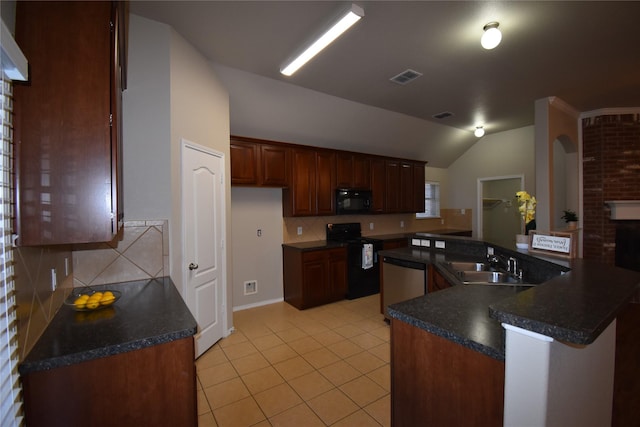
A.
x: 172, y: 94
x: 494, y: 155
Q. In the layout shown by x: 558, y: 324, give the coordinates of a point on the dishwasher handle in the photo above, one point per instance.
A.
x: 405, y: 263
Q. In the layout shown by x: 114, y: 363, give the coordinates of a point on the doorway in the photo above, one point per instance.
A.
x: 498, y: 218
x: 203, y: 222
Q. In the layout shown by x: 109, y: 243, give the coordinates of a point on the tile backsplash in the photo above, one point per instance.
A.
x: 142, y: 253
x: 313, y: 228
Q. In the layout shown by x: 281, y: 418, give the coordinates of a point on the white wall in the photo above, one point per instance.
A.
x: 502, y: 154
x: 256, y: 257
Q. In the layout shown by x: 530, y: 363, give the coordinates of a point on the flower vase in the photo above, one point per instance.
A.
x: 522, y: 241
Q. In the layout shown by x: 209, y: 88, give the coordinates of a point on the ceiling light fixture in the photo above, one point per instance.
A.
x: 491, y: 36
x: 345, y: 20
x: 479, y: 132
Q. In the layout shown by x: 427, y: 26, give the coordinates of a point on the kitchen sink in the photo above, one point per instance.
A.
x: 487, y: 277
x: 482, y: 273
x: 468, y: 266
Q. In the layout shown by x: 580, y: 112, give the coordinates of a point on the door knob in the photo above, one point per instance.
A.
x: 193, y: 266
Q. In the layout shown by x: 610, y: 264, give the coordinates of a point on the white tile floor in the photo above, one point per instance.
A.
x: 325, y: 366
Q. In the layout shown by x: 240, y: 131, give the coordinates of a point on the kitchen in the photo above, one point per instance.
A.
x: 145, y: 201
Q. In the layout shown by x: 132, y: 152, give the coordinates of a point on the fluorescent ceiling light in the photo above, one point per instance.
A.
x: 344, y: 22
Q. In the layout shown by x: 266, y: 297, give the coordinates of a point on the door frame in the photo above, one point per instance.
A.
x: 185, y: 143
x: 479, y: 218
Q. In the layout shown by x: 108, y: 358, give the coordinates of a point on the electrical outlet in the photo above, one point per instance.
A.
x: 462, y: 211
x: 66, y: 267
x: 442, y: 222
x: 415, y: 242
x: 299, y: 231
x: 54, y: 280
x: 401, y: 224
x: 425, y: 243
x: 370, y: 226
x: 440, y: 244
x: 251, y: 287
x: 259, y: 232
x: 489, y: 250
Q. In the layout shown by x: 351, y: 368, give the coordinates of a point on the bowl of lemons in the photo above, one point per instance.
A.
x: 92, y: 300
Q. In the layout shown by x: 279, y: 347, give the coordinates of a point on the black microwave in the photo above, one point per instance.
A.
x: 350, y: 201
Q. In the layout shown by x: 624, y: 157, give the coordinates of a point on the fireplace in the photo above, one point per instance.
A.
x: 628, y: 245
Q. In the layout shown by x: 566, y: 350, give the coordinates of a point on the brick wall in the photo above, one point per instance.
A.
x: 611, y: 171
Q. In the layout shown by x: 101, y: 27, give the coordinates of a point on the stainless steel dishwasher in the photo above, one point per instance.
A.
x: 402, y: 280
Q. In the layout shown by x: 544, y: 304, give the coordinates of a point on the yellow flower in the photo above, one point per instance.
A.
x: 527, y: 206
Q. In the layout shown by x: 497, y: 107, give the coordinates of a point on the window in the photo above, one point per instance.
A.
x: 431, y: 201
x: 10, y: 399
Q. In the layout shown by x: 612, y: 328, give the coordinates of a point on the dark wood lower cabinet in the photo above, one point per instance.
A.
x: 313, y: 278
x: 437, y: 281
x: 154, y: 386
x: 436, y: 382
x: 626, y: 386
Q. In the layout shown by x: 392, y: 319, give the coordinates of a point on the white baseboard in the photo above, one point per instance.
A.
x: 257, y: 304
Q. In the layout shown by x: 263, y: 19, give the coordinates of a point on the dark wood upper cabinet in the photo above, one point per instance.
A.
x: 67, y: 125
x: 352, y: 171
x: 418, y: 187
x: 392, y: 187
x: 244, y: 163
x: 378, y: 184
x: 274, y: 165
x: 325, y: 182
x: 259, y: 163
x: 312, y: 183
x: 407, y: 199
x: 310, y: 176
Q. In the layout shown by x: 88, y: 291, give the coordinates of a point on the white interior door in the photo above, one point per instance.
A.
x: 203, y: 219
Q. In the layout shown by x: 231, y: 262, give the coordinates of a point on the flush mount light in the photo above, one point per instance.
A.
x: 479, y: 132
x: 344, y: 21
x: 491, y: 36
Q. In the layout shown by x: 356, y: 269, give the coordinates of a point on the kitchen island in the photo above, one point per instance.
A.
x: 128, y: 364
x: 554, y: 332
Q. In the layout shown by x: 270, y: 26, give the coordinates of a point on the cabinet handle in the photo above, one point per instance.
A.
x: 193, y: 266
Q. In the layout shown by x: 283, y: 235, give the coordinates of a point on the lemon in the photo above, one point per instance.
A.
x: 92, y: 304
x: 96, y: 296
x: 107, y: 298
x: 80, y: 302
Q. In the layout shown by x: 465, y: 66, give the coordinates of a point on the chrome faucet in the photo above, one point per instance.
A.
x: 510, y: 264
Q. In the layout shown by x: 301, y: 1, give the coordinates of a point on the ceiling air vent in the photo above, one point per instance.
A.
x: 442, y: 115
x: 405, y: 77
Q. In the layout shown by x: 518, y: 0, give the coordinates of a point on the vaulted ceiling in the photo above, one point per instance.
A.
x: 585, y: 53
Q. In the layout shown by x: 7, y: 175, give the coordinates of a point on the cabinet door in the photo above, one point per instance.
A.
x: 337, y: 284
x: 361, y: 173
x: 407, y: 195
x: 67, y: 181
x: 315, y: 279
x: 244, y: 159
x: 274, y: 165
x: 437, y: 281
x: 393, y: 190
x: 418, y: 187
x: 344, y: 170
x: 325, y: 182
x: 303, y: 182
x: 378, y: 185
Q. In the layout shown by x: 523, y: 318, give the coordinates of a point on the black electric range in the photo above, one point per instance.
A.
x: 363, y: 266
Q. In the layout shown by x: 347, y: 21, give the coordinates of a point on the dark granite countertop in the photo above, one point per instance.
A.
x: 149, y: 312
x: 574, y: 307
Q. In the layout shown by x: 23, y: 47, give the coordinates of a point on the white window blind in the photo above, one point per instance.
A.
x: 10, y: 399
x: 431, y: 201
